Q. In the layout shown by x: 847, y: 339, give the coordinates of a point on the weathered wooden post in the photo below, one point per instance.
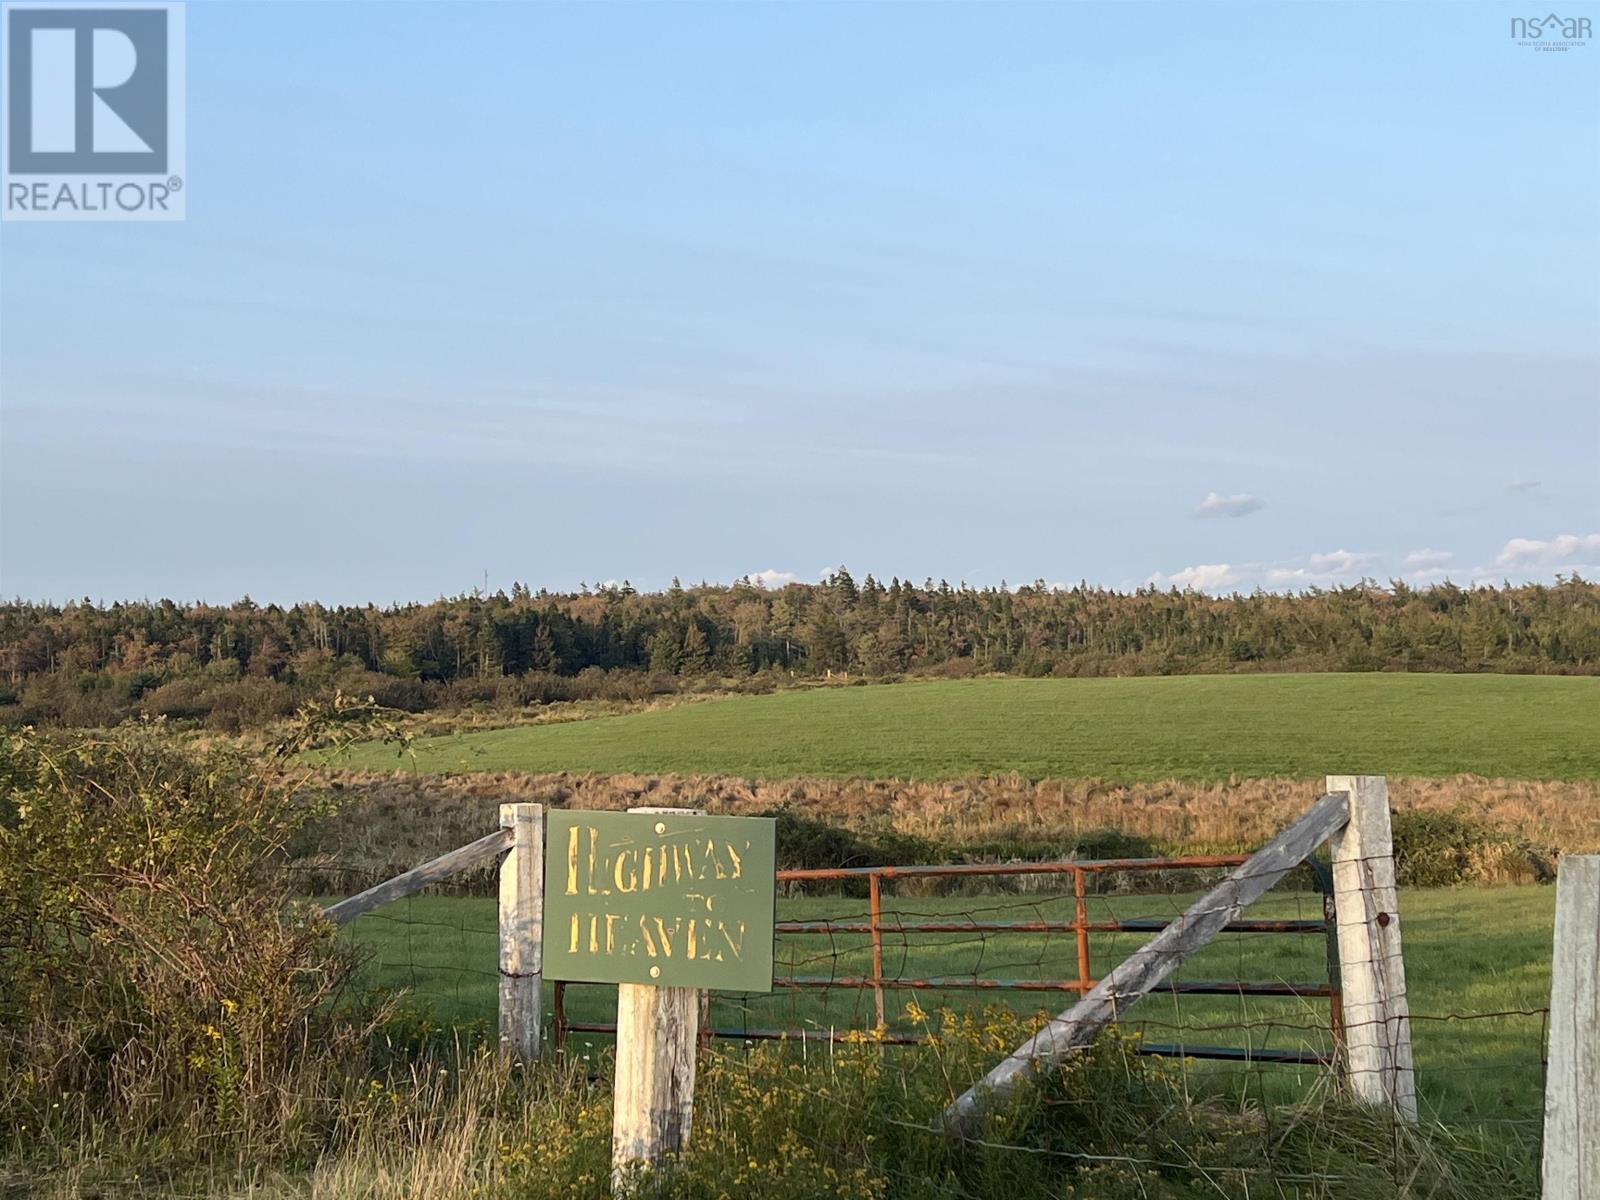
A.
x: 522, y: 933
x: 658, y: 1032
x: 1377, y: 1021
x: 1572, y: 1082
x: 666, y: 903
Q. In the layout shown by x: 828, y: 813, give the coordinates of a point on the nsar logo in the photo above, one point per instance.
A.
x: 1550, y: 32
x: 94, y: 113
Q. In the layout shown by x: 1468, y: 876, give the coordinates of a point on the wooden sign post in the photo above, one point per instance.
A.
x: 665, y: 903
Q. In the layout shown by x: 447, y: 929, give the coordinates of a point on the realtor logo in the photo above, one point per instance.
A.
x: 94, y: 109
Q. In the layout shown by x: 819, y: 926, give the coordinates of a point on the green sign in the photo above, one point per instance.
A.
x: 670, y: 899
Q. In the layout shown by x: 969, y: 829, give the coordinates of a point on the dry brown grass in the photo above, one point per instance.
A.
x: 393, y: 821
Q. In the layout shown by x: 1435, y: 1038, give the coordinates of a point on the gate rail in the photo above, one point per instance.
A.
x: 1080, y: 927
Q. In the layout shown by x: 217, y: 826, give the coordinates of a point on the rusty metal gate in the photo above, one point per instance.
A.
x: 876, y: 926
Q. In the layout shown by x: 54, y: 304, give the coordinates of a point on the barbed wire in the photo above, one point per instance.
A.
x: 985, y: 959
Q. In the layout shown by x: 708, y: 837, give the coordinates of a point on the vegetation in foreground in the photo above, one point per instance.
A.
x: 1469, y: 952
x: 172, y: 1021
x: 243, y: 665
x: 854, y: 1120
x: 1193, y: 728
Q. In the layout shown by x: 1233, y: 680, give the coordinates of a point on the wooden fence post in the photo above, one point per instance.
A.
x: 1377, y: 1021
x: 1572, y: 1083
x: 652, y: 1105
x: 522, y: 933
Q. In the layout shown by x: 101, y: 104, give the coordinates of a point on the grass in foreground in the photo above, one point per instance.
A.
x: 1468, y: 952
x: 1193, y: 727
x: 855, y: 1121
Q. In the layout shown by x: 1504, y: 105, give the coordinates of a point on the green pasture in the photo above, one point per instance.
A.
x: 1468, y: 952
x: 1204, y: 727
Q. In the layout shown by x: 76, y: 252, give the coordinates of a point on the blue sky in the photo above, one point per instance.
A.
x: 1221, y: 295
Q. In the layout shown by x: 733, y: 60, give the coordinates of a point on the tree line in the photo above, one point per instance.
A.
x: 243, y: 663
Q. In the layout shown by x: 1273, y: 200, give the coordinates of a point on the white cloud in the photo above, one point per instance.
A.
x: 1336, y: 566
x: 1340, y: 562
x: 1293, y: 577
x: 1205, y: 577
x: 1560, y: 550
x: 1427, y: 561
x: 772, y: 577
x: 1215, y: 505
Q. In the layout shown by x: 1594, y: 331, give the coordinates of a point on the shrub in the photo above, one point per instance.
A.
x: 181, y: 699
x: 156, y: 972
x: 388, y: 691
x: 66, y: 699
x: 1094, y: 843
x: 1442, y: 849
x: 247, y: 702
x: 805, y: 843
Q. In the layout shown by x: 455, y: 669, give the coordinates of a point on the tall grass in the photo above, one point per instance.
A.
x: 857, y: 1120
x: 1457, y: 830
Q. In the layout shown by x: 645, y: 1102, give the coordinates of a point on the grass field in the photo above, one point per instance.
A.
x: 1468, y: 951
x: 1191, y: 727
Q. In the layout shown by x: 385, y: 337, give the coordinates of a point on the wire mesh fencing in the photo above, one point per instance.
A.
x: 892, y: 957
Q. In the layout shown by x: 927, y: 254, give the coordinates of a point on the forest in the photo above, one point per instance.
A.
x: 232, y: 666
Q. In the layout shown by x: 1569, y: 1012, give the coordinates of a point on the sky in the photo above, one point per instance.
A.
x: 1211, y: 295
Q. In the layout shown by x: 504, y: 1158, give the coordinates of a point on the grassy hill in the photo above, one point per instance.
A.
x: 1190, y: 727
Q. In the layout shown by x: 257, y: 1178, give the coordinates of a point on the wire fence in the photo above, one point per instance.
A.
x: 842, y: 965
x: 1254, y: 1016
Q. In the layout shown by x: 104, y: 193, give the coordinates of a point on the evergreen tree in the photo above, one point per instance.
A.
x: 826, y: 647
x: 665, y: 651
x: 696, y: 655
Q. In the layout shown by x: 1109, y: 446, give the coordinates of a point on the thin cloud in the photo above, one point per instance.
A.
x: 1340, y: 562
x: 1206, y: 577
x: 1317, y: 570
x: 1215, y: 505
x: 1562, y: 549
x: 772, y: 578
x: 1427, y: 560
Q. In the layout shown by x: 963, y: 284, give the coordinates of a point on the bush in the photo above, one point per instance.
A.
x: 181, y: 699
x: 388, y: 691
x: 66, y: 699
x: 247, y: 702
x: 156, y: 972
x: 1443, y: 849
x: 1096, y: 843
x: 805, y: 843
